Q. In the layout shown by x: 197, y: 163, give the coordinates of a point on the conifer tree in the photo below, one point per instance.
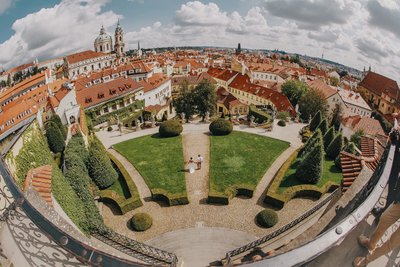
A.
x: 335, y: 147
x: 315, y: 121
x: 310, y: 168
x: 328, y: 137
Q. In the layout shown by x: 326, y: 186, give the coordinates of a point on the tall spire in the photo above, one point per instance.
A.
x: 102, y: 30
x: 138, y: 45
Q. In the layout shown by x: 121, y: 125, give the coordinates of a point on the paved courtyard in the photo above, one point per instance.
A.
x: 199, y: 218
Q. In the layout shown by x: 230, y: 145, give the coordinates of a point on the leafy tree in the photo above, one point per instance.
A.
x: 294, y: 90
x: 164, y: 117
x: 3, y: 84
x: 343, y: 73
x: 335, y: 147
x: 323, y: 126
x: 185, y: 102
x: 205, y: 98
x: 99, y: 166
x: 315, y: 121
x: 311, y: 102
x: 328, y: 137
x: 336, y: 116
x: 57, y: 120
x: 310, y: 168
x: 356, y: 138
x: 334, y: 81
x: 54, y: 138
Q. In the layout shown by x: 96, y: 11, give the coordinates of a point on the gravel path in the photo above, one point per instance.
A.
x: 238, y: 215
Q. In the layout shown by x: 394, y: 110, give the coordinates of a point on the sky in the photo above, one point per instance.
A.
x: 357, y: 33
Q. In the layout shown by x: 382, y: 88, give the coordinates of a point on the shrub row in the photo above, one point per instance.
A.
x: 159, y: 194
x: 123, y: 204
x: 77, y: 175
x: 99, y: 165
x: 230, y: 192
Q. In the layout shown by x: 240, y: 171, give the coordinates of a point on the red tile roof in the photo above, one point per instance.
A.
x: 81, y: 56
x: 351, y: 168
x: 227, y: 99
x: 153, y: 82
x: 222, y: 74
x: 370, y: 126
x: 103, y: 92
x: 372, y: 151
x: 40, y: 180
x: 379, y: 84
x: 281, y: 102
x: 16, y: 112
x: 321, y: 86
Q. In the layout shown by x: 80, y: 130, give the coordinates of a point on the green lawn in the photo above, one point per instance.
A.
x: 158, y: 160
x: 241, y: 159
x: 330, y: 173
x: 120, y: 187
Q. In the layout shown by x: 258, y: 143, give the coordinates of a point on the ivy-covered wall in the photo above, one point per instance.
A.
x: 34, y: 153
x: 122, y: 113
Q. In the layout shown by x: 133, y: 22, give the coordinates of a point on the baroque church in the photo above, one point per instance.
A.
x: 104, y: 43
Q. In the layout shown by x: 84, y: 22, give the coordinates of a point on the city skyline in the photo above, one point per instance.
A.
x: 354, y: 33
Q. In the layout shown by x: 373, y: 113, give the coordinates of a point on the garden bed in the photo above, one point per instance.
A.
x: 160, y: 162
x: 286, y: 186
x: 123, y: 193
x: 238, y: 162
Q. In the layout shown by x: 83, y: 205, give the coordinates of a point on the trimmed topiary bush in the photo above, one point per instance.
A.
x: 54, y: 138
x: 328, y: 137
x: 323, y: 126
x: 335, y: 147
x: 170, y: 128
x: 141, y: 222
x: 315, y: 121
x: 109, y: 128
x: 309, y: 170
x: 267, y: 218
x: 56, y: 119
x: 99, y: 166
x: 282, y: 123
x: 221, y: 127
x: 309, y: 145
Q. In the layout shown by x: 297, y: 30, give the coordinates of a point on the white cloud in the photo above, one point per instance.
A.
x: 67, y: 27
x: 6, y: 4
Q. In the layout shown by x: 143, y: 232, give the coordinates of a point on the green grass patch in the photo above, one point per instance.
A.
x: 239, y: 161
x: 330, y: 173
x: 160, y: 162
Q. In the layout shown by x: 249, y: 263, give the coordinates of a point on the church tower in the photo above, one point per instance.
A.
x: 119, y: 41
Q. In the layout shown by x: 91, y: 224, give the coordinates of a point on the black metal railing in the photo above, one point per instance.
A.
x: 81, y: 250
x: 257, y: 243
x: 146, y: 253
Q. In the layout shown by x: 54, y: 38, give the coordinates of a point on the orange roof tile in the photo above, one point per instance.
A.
x: 321, y: 86
x: 153, y: 82
x: 81, y: 56
x: 370, y: 126
x: 351, y: 168
x: 379, y: 84
x: 103, y: 92
x: 40, y: 180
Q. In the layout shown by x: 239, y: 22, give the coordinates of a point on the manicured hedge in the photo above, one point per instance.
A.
x: 267, y: 218
x: 141, y: 222
x: 124, y: 204
x: 170, y: 128
x: 328, y: 137
x: 54, y: 137
x: 230, y: 192
x: 282, y: 123
x: 99, y: 165
x: 35, y: 153
x: 159, y: 194
x: 323, y: 126
x: 221, y: 127
x: 78, y: 177
x: 278, y: 200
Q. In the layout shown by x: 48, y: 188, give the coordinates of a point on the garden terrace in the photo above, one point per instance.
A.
x: 238, y: 162
x: 160, y: 162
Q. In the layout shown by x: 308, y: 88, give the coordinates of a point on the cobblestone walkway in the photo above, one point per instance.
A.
x: 197, y: 143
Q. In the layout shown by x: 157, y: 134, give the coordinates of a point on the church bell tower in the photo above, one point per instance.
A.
x: 119, y: 41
